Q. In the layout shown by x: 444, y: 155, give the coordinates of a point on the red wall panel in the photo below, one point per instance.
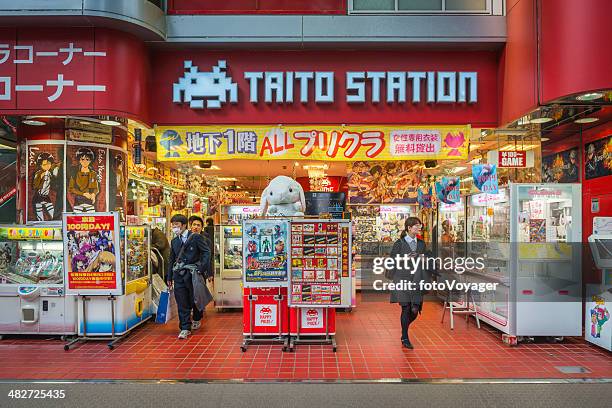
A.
x: 124, y: 71
x: 8, y: 70
x: 575, y: 47
x: 519, y: 92
x: 257, y: 7
x: 167, y: 68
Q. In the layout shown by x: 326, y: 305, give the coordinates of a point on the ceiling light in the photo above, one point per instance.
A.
x: 33, y: 122
x: 591, y: 96
x: 544, y: 139
x: 586, y: 120
x: 475, y: 160
x: 458, y: 169
x: 474, y: 146
x: 110, y: 122
x: 227, y: 179
x: 511, y: 147
x: 296, y: 164
x: 543, y: 119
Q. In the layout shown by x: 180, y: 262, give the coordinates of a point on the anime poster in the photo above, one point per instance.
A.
x: 447, y: 190
x: 598, y: 158
x: 91, y: 251
x: 117, y: 182
x: 537, y: 230
x: 265, y: 246
x: 85, y: 178
x: 392, y: 182
x: 485, y: 178
x: 45, y: 182
x: 561, y: 167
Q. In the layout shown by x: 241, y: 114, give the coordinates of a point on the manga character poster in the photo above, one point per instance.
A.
x: 424, y: 199
x: 117, y: 182
x: 561, y: 167
x: 45, y: 182
x: 447, y: 190
x: 265, y: 249
x: 598, y: 158
x: 91, y: 252
x: 392, y: 182
x: 86, y: 178
x: 485, y: 178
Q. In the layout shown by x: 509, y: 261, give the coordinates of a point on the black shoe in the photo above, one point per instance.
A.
x: 406, y: 343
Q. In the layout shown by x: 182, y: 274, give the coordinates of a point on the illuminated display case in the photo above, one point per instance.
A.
x: 32, y: 295
x: 529, y: 236
x: 228, y: 275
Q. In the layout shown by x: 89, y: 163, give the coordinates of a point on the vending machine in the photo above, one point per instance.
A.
x: 32, y: 295
x: 598, y: 326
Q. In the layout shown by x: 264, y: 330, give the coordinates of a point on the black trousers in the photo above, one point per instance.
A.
x: 410, y: 311
x: 183, y: 292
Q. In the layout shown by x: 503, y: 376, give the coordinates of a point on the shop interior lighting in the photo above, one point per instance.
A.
x: 512, y: 147
x: 316, y: 167
x: 474, y: 146
x: 586, y: 120
x: 458, y: 169
x: 33, y: 122
x: 591, y: 96
x: 213, y: 167
x: 544, y: 139
x: 109, y: 121
x: 543, y: 119
x: 227, y: 179
x: 475, y: 160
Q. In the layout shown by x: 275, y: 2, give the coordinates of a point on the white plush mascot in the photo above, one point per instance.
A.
x: 283, y: 197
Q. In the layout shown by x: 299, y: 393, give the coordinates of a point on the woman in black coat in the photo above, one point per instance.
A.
x: 411, y: 301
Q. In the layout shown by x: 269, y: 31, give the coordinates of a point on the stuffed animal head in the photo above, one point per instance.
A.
x: 283, y: 190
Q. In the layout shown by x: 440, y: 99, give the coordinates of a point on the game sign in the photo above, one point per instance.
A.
x: 320, y: 263
x: 265, y: 249
x: 91, y: 253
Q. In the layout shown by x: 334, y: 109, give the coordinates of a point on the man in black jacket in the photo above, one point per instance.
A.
x: 187, y: 249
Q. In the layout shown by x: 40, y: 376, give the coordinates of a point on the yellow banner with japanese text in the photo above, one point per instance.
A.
x: 312, y: 142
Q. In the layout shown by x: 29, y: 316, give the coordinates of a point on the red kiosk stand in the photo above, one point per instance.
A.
x: 266, y: 260
x: 320, y: 279
x: 265, y: 316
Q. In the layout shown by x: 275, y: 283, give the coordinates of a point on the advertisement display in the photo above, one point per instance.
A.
x: 562, y: 167
x: 45, y: 184
x: 265, y: 252
x: 383, y: 183
x: 485, y: 177
x: 320, y: 264
x: 447, y: 190
x: 92, y: 265
x: 598, y: 160
x: 315, y: 142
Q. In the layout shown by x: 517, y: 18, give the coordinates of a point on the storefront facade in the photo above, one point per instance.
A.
x: 346, y: 96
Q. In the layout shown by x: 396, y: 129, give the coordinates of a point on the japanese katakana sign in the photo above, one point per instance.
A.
x: 336, y: 143
x: 51, y: 84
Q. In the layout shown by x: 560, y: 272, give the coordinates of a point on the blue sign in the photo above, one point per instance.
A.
x: 447, y: 190
x: 485, y: 178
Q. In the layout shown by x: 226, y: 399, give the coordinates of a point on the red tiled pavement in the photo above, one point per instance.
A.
x: 368, y: 348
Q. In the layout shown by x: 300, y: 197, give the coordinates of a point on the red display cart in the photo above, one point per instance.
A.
x: 321, y: 279
x: 265, y: 276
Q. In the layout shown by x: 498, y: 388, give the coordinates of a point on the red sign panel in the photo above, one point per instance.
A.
x: 512, y: 159
x: 353, y: 87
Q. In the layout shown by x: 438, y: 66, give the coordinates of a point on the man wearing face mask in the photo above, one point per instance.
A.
x: 189, y: 254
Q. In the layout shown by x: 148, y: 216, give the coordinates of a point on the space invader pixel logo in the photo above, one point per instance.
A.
x: 210, y: 88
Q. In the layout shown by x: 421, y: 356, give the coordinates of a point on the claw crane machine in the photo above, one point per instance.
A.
x: 108, y: 267
x: 32, y: 297
x: 598, y: 326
